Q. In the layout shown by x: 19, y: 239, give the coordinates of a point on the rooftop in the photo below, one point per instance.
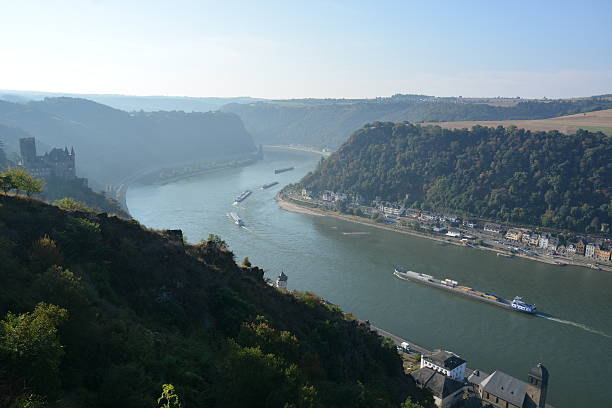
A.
x: 505, y: 387
x: 440, y: 385
x: 445, y: 359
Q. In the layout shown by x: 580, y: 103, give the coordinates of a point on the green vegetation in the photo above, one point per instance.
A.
x: 605, y: 129
x: 168, y: 175
x: 70, y: 195
x: 73, y: 193
x: 98, y: 312
x: 511, y: 175
x: 328, y: 123
x: 20, y: 180
x: 71, y: 204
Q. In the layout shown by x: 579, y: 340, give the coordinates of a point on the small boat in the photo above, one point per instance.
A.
x: 243, y: 196
x: 283, y: 170
x: 269, y: 185
x: 504, y: 255
x: 237, y: 220
x: 520, y: 306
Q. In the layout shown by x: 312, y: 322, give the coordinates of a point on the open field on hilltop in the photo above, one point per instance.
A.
x: 593, y: 121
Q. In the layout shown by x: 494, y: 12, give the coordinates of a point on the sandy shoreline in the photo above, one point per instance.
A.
x: 299, y: 148
x: 289, y: 206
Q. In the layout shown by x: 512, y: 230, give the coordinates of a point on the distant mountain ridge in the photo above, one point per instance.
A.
x: 112, y: 144
x: 133, y: 103
x: 328, y: 123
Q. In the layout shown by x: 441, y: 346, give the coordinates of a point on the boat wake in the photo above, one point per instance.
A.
x: 578, y: 325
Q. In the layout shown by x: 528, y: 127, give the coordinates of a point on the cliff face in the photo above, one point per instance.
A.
x: 137, y: 308
x: 112, y: 144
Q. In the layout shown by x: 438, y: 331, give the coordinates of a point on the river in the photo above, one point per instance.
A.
x: 351, y: 265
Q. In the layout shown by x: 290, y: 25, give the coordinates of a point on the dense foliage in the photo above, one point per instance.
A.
x: 96, y: 311
x: 328, y: 123
x: 536, y: 178
x: 112, y: 144
x: 54, y: 189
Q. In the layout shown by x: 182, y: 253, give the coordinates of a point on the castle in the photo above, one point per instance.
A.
x: 57, y: 163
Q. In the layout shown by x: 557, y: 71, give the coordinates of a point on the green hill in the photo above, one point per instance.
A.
x: 97, y: 311
x: 325, y: 123
x: 504, y: 174
x: 112, y: 144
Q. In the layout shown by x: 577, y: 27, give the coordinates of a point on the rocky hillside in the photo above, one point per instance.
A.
x: 97, y: 311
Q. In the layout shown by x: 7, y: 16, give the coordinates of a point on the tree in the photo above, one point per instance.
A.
x: 45, y: 253
x: 168, y: 397
x: 30, y: 348
x: 24, y: 181
x: 7, y: 183
x: 246, y: 263
x: 70, y: 204
x: 409, y: 404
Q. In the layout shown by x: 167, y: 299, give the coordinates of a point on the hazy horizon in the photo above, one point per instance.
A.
x: 276, y: 50
x: 84, y: 95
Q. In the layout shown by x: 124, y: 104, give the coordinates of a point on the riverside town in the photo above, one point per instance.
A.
x: 555, y: 247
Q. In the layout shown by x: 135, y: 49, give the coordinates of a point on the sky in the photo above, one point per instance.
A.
x: 298, y: 49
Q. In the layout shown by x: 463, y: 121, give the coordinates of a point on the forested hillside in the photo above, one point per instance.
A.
x: 112, y: 144
x: 97, y: 311
x: 537, y: 178
x: 327, y: 124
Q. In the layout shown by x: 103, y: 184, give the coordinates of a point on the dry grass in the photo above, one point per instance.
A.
x: 593, y: 121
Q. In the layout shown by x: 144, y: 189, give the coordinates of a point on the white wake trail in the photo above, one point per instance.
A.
x: 578, y: 325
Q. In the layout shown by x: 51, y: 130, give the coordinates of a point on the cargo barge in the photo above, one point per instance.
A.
x: 269, y: 185
x: 517, y: 304
x: 242, y: 196
x: 283, y: 170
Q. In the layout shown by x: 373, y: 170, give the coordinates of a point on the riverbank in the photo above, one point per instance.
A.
x: 299, y: 148
x: 120, y: 193
x: 297, y: 208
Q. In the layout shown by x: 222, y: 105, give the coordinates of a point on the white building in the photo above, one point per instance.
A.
x: 543, y: 241
x: 390, y: 209
x: 553, y: 243
x: 281, y: 281
x: 590, y: 250
x: 494, y: 228
x: 445, y: 363
x: 454, y: 234
x: 470, y: 223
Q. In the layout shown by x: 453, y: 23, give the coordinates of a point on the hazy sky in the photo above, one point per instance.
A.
x: 291, y: 49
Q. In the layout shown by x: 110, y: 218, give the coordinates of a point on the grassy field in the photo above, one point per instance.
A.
x: 593, y: 121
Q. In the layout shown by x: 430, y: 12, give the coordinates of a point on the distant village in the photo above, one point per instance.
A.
x: 586, y: 249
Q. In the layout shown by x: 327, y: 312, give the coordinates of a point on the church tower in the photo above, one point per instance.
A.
x: 537, y: 385
x: 281, y: 281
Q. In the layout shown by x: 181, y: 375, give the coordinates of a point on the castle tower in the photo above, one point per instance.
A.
x: 537, y: 385
x: 281, y: 281
x: 27, y: 146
